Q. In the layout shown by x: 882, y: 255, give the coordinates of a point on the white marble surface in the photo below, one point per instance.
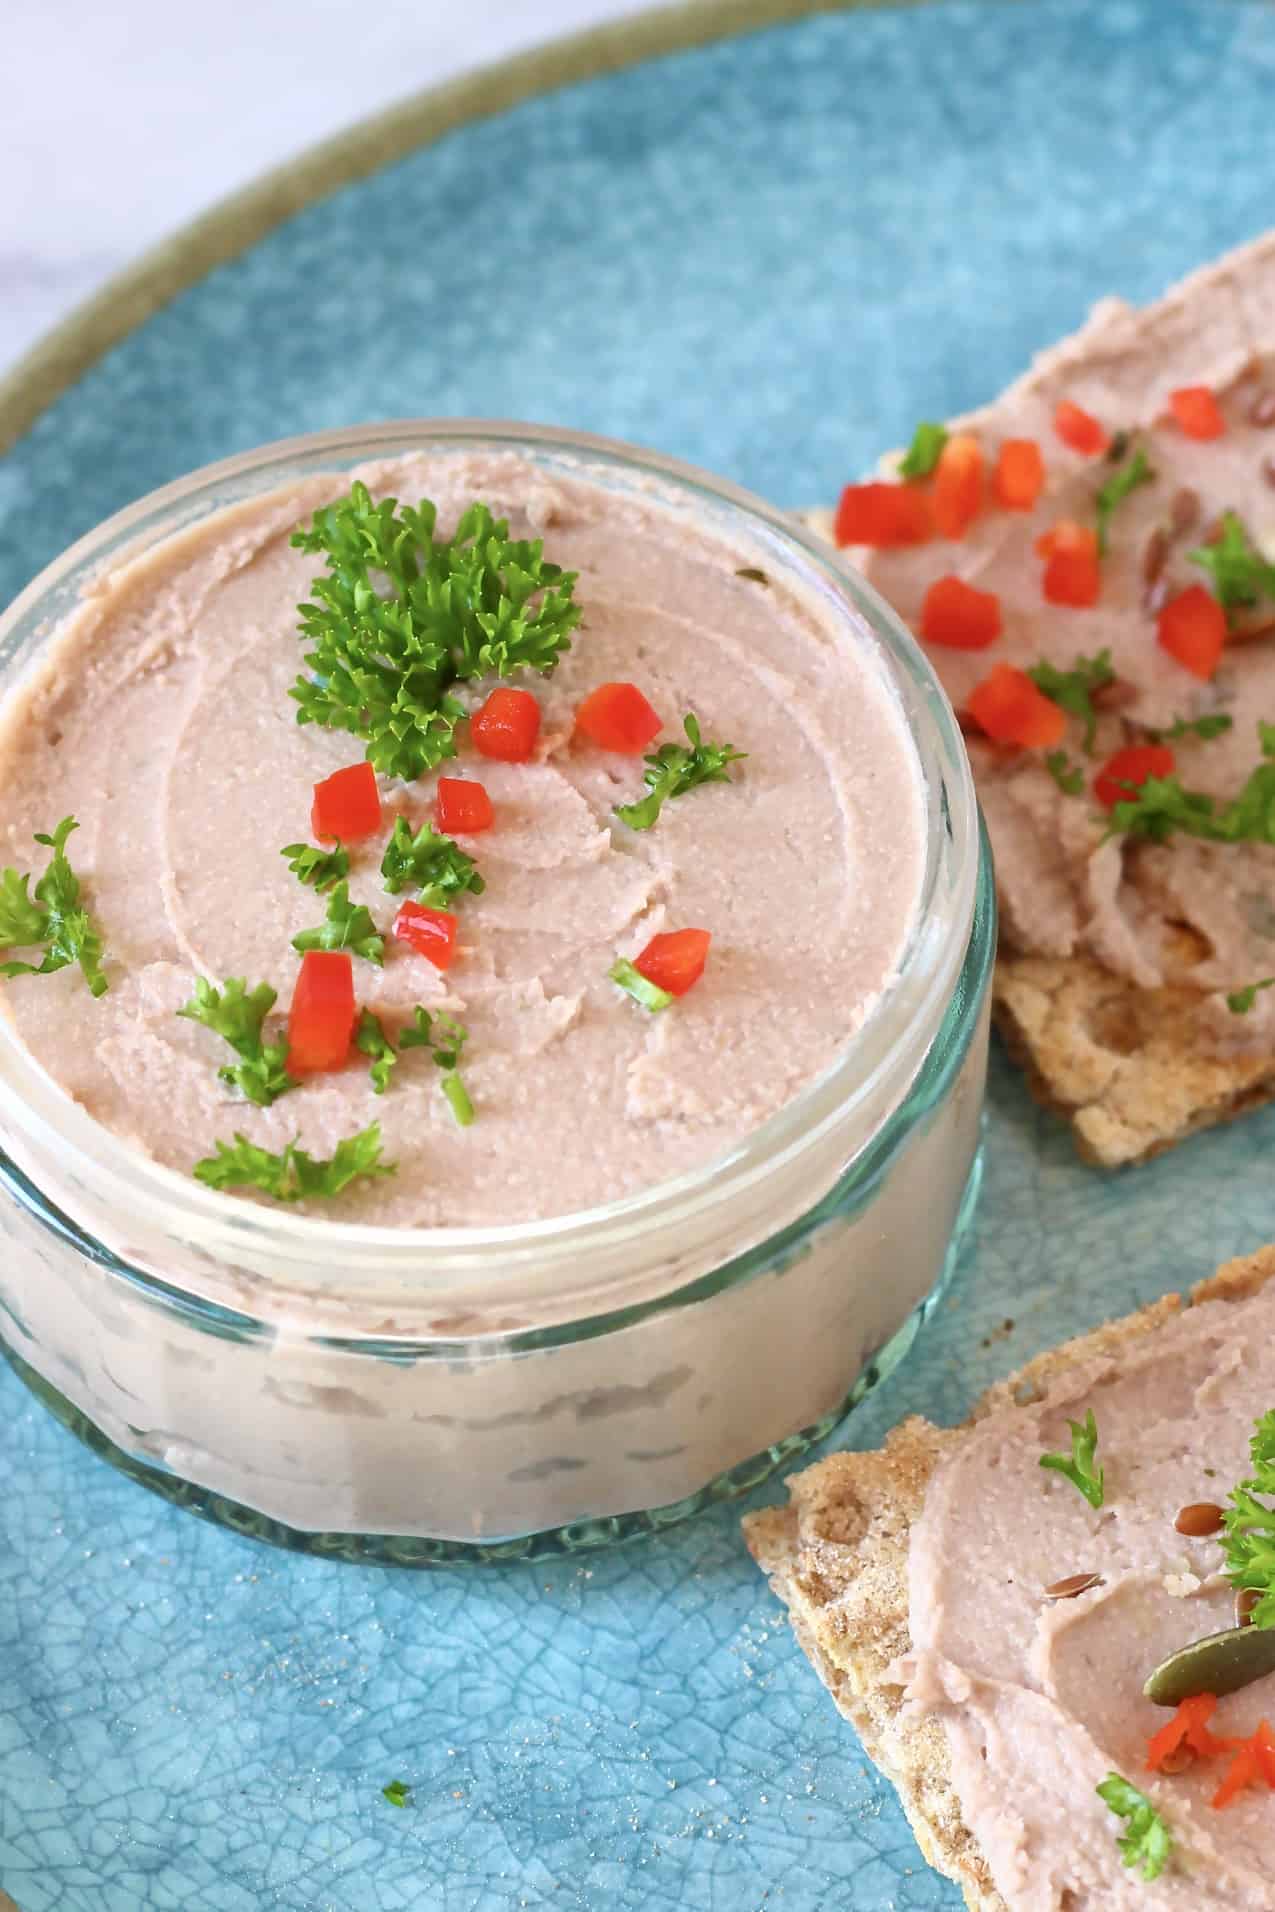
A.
x: 129, y: 119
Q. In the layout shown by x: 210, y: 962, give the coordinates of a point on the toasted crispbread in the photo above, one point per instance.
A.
x: 837, y: 1556
x: 1119, y: 1062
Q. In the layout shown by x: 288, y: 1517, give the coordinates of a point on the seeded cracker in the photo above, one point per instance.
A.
x: 837, y: 1556
x: 1119, y: 1061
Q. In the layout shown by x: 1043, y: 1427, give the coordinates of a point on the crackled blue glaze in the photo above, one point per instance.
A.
x: 770, y: 256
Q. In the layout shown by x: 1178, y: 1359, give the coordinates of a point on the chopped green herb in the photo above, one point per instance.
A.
x: 346, y: 926
x: 1137, y: 472
x: 433, y: 862
x: 672, y: 770
x: 294, y: 1176
x: 319, y: 868
x: 1162, y: 806
x: 1202, y: 727
x: 635, y: 984
x: 398, y: 1792
x: 373, y: 1041
x: 1249, y: 1526
x: 54, y: 918
x: 1073, y: 689
x: 1239, y: 574
x: 1078, y: 1467
x: 1148, y: 1841
x: 400, y: 617
x: 923, y: 454
x: 237, y: 1014
x: 1069, y: 777
x: 1240, y: 1001
x: 445, y: 1038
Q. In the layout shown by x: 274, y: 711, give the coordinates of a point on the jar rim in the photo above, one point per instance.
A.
x: 887, y: 1049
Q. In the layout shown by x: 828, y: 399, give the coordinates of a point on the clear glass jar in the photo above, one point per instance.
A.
x: 418, y: 1395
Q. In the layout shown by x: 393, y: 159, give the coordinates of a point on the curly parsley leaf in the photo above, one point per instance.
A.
x: 1069, y: 777
x: 1078, y: 1467
x: 445, y: 1038
x: 319, y: 868
x: 346, y: 926
x: 398, y: 1792
x: 631, y: 980
x: 1162, y: 807
x: 373, y: 1041
x: 1137, y: 472
x: 672, y: 770
x: 237, y: 1014
x: 1240, y: 575
x: 55, y: 918
x: 294, y: 1176
x: 923, y: 454
x: 400, y: 617
x: 1249, y: 1525
x: 1240, y: 1001
x: 1073, y: 689
x: 436, y: 865
x: 1147, y: 1841
x: 1204, y: 728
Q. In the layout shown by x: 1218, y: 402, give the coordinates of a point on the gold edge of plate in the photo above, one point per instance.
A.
x: 236, y: 223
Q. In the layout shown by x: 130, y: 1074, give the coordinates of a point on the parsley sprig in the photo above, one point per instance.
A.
x: 372, y: 1041
x: 1073, y: 689
x: 1138, y: 471
x: 1147, y: 1841
x: 1240, y: 1001
x: 319, y: 868
x: 346, y: 926
x: 54, y: 917
x: 1205, y: 728
x: 435, y: 864
x: 238, y: 1014
x: 672, y: 770
x: 1249, y: 1525
x: 1240, y: 576
x: 1069, y: 777
x: 401, y: 617
x: 1162, y: 806
x: 923, y: 454
x: 445, y: 1038
x: 292, y: 1175
x: 398, y: 1792
x: 1078, y: 1467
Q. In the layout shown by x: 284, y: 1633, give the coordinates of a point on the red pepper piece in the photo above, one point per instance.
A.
x: 1132, y: 765
x: 1072, y: 575
x: 1010, y: 709
x: 1192, y: 628
x: 507, y: 725
x: 1188, y: 1727
x: 674, y: 961
x: 618, y: 717
x: 882, y: 515
x: 1264, y: 1747
x: 1254, y: 1759
x: 430, y: 933
x: 463, y: 807
x: 957, y: 496
x: 346, y: 805
x: 1079, y: 428
x: 1196, y: 411
x: 1020, y: 474
x: 323, y: 1013
x: 957, y: 615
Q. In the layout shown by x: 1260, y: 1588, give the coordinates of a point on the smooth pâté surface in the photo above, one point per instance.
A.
x: 163, y: 722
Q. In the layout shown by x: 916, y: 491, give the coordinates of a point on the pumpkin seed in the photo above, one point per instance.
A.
x: 1219, y: 1663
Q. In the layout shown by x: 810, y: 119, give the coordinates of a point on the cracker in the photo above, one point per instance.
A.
x: 1124, y: 1065
x: 837, y: 1557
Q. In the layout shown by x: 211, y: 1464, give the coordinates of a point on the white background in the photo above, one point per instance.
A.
x: 122, y: 121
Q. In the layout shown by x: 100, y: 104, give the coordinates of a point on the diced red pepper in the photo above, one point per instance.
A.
x: 1072, y: 574
x: 957, y: 615
x: 618, y: 717
x: 1188, y: 1727
x: 674, y: 961
x: 1132, y: 765
x: 346, y: 805
x: 1020, y: 474
x: 507, y: 725
x: 1010, y: 709
x: 323, y: 1013
x: 1254, y: 1759
x: 957, y: 496
x: 1079, y: 428
x: 430, y: 933
x: 1192, y: 628
x: 1197, y: 412
x: 463, y: 807
x: 881, y: 515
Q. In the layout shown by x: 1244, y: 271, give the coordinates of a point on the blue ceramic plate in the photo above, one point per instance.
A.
x: 770, y: 254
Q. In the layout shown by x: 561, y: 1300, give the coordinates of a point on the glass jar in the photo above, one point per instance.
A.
x: 419, y: 1395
